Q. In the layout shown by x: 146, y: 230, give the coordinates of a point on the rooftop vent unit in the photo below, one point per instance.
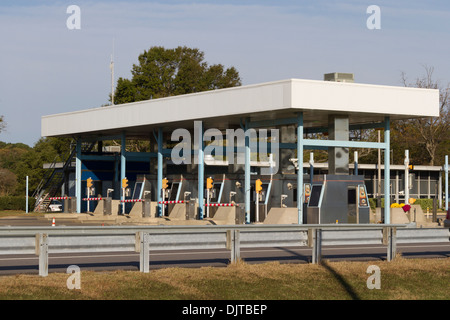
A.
x: 339, y: 77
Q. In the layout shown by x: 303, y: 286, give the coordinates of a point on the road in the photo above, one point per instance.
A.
x: 28, y: 264
x: 43, y: 222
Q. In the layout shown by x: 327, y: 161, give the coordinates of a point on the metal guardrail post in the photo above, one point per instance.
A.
x: 391, y: 243
x: 317, y: 246
x: 42, y: 252
x: 233, y: 244
x: 144, y: 252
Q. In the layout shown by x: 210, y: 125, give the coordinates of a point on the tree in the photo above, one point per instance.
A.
x: 2, y: 124
x: 167, y: 72
x: 25, y: 161
x: 426, y: 138
x: 8, y: 182
x: 11, y: 155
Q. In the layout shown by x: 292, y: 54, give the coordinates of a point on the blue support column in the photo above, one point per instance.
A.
x: 123, y: 162
x: 387, y: 171
x: 446, y: 182
x: 300, y: 167
x: 78, y: 176
x: 201, y: 168
x: 160, y: 171
x: 26, y: 195
x: 247, y: 185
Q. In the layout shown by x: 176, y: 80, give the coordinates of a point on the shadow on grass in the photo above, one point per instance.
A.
x: 347, y: 287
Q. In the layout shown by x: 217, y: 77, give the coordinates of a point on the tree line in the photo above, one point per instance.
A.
x: 164, y: 72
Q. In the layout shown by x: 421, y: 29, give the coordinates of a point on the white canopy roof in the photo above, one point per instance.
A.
x: 225, y: 108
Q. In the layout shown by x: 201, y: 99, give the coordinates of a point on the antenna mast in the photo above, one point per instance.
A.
x: 111, y: 66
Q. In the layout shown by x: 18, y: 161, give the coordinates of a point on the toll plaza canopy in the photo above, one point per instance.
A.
x: 308, y: 104
x: 267, y: 101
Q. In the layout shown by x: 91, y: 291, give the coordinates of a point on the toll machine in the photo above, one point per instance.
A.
x: 179, y: 189
x: 338, y: 199
x: 142, y: 187
x: 230, y: 188
x: 222, y: 191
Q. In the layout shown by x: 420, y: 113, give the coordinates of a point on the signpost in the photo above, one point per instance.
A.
x: 88, y: 191
x: 165, y: 185
x: 124, y: 187
x: 209, y: 186
x: 258, y: 189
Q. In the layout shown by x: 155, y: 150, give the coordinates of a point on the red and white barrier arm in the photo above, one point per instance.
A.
x: 173, y: 201
x: 132, y: 200
x: 89, y: 199
x: 59, y: 198
x: 221, y: 205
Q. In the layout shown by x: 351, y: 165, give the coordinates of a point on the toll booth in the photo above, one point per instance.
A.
x: 142, y: 188
x: 224, y: 201
x: 338, y: 199
x: 222, y: 191
x: 279, y: 198
x: 179, y: 190
x: 178, y: 185
x: 140, y: 202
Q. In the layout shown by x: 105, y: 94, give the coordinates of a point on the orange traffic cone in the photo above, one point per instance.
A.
x: 53, y: 222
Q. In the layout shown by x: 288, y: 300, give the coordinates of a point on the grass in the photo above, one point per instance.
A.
x: 18, y: 213
x: 402, y: 279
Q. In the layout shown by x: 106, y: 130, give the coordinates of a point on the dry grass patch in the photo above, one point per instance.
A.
x: 402, y: 279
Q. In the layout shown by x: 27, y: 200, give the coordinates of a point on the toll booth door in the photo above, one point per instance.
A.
x: 352, y: 205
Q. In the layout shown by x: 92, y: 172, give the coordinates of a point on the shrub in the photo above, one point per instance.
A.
x: 425, y: 203
x: 16, y: 203
x: 373, y: 203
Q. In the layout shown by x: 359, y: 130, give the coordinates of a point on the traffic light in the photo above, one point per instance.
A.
x: 258, y: 186
x: 89, y: 182
x: 209, y: 183
x: 165, y: 183
x: 124, y: 183
x: 411, y: 167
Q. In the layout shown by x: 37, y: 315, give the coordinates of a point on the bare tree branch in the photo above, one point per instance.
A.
x: 429, y: 132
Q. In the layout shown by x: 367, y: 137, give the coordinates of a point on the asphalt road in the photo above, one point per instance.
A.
x: 44, y: 222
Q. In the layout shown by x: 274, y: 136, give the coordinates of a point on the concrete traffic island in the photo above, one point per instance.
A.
x: 415, y: 216
x: 282, y: 216
x: 180, y: 214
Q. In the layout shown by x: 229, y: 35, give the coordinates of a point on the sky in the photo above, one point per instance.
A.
x: 47, y: 67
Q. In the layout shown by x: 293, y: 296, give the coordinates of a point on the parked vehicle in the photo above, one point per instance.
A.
x: 55, y: 206
x: 447, y: 219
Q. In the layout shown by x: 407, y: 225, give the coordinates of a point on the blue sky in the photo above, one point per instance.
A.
x: 47, y: 68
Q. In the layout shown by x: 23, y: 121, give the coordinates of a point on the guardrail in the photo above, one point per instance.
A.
x: 44, y: 240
